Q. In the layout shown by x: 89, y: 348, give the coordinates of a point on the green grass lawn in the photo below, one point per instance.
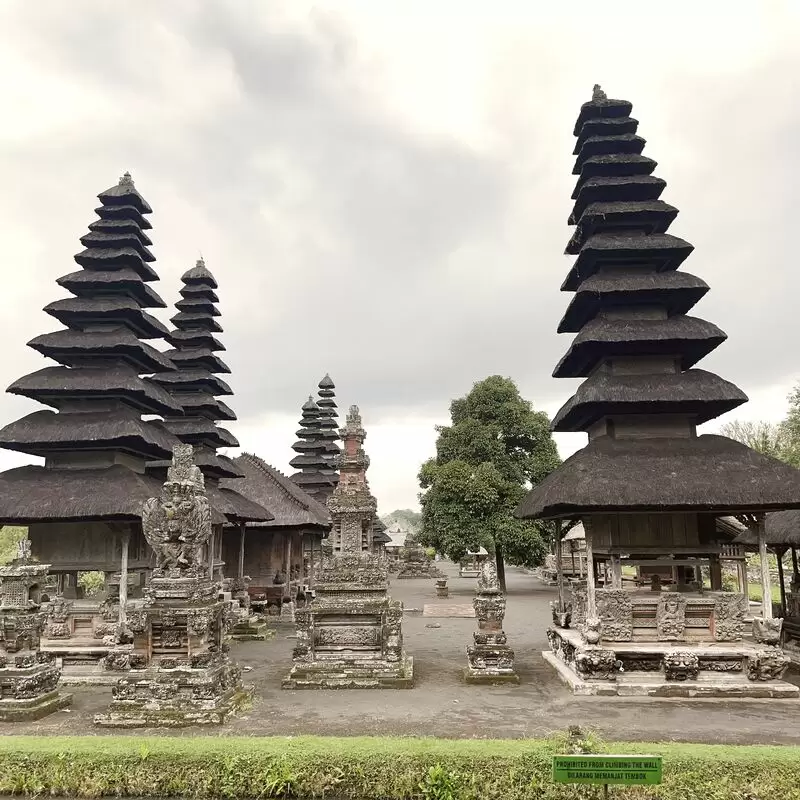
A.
x: 373, y: 767
x: 754, y: 590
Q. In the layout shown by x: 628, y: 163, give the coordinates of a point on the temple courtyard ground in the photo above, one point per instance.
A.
x: 442, y: 705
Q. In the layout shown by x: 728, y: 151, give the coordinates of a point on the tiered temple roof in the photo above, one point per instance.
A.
x: 316, y: 472
x: 637, y: 346
x: 95, y: 442
x: 328, y: 424
x: 194, y: 386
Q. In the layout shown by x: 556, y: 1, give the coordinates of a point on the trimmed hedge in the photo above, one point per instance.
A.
x: 361, y: 767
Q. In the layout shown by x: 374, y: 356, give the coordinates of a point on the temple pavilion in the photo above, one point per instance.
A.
x: 83, y: 505
x: 648, y: 487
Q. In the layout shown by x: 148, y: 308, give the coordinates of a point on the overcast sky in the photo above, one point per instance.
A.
x: 382, y: 189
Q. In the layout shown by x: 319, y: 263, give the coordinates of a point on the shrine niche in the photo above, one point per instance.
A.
x: 178, y: 671
x: 28, y: 677
x: 350, y: 636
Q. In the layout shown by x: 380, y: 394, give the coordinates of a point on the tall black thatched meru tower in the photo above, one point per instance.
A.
x: 329, y: 427
x: 647, y: 487
x: 95, y: 444
x: 311, y: 461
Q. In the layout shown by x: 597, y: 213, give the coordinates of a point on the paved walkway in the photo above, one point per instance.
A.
x: 441, y: 705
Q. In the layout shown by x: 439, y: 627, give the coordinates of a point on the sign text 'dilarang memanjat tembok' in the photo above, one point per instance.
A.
x: 628, y: 770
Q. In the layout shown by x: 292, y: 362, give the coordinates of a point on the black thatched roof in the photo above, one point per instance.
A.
x: 636, y: 345
x: 660, y: 252
x: 199, y: 379
x: 186, y: 322
x: 213, y: 466
x: 122, y: 225
x: 116, y: 239
x: 199, y: 290
x: 77, y: 347
x: 44, y: 432
x: 690, y: 337
x: 782, y: 529
x: 197, y: 358
x: 708, y: 473
x: 125, y: 194
x: 290, y: 505
x: 198, y: 403
x: 205, y: 340
x: 199, y: 273
x: 199, y: 430
x: 40, y: 494
x: 128, y: 214
x: 676, y: 292
x: 122, y: 282
x: 75, y: 311
x: 53, y: 385
x: 696, y: 393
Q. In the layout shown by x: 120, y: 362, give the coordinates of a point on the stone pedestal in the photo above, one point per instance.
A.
x: 490, y: 659
x: 247, y: 625
x: 350, y: 636
x: 416, y: 563
x: 178, y: 671
x: 441, y: 588
x: 28, y: 677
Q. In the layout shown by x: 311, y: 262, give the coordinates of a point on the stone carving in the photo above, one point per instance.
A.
x: 416, y: 563
x: 592, y: 630
x: 578, y: 605
x: 177, y: 671
x: 350, y: 635
x: 671, y: 616
x: 768, y: 664
x: 767, y: 631
x: 729, y: 612
x: 489, y: 658
x: 616, y: 612
x: 597, y: 664
x: 681, y: 666
x: 721, y: 664
x: 562, y: 616
x: 178, y: 524
x: 28, y: 677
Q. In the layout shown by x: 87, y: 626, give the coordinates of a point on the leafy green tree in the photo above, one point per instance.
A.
x: 790, y: 428
x: 764, y: 437
x: 405, y: 517
x: 495, y: 448
x: 10, y: 535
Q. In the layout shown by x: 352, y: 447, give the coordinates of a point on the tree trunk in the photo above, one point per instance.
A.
x: 501, y: 567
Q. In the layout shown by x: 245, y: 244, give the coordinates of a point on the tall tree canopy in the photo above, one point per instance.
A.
x: 779, y: 440
x: 494, y: 450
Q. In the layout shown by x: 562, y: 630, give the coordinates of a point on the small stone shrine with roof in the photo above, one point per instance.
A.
x: 83, y: 505
x: 647, y: 487
x: 350, y: 636
x: 489, y: 658
x: 28, y: 677
x: 178, y: 672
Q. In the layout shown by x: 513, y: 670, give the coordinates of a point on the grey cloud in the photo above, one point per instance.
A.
x: 345, y: 240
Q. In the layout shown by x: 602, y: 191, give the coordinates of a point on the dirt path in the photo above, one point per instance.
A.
x: 441, y: 705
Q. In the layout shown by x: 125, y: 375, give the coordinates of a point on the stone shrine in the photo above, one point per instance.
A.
x: 28, y: 677
x: 415, y: 562
x: 350, y: 636
x: 490, y: 658
x: 178, y: 672
x: 648, y: 488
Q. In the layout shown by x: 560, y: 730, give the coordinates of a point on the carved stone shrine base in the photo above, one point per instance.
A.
x: 252, y: 629
x: 490, y: 662
x: 176, y: 698
x: 744, y: 669
x: 419, y: 569
x: 30, y: 692
x: 351, y: 643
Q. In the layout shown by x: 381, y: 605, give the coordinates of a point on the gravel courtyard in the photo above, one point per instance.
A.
x: 442, y: 705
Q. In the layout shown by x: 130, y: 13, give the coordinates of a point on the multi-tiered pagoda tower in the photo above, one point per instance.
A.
x: 648, y: 487
x: 312, y: 459
x: 86, y: 500
x: 195, y: 386
x: 329, y: 429
x: 350, y: 636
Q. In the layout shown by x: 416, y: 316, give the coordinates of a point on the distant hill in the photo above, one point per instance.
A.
x: 408, y: 519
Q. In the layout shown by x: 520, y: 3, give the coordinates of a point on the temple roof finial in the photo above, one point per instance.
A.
x: 598, y: 93
x: 126, y: 179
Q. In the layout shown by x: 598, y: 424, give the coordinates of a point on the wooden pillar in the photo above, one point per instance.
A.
x: 242, y: 533
x: 794, y: 559
x: 744, y: 587
x: 311, y: 564
x: 123, y: 578
x: 616, y: 572
x: 287, y: 558
x: 559, y: 567
x: 591, y: 600
x: 766, y: 587
x: 780, y: 552
x: 715, y: 573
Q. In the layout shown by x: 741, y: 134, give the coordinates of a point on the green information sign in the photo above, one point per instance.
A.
x: 628, y: 770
